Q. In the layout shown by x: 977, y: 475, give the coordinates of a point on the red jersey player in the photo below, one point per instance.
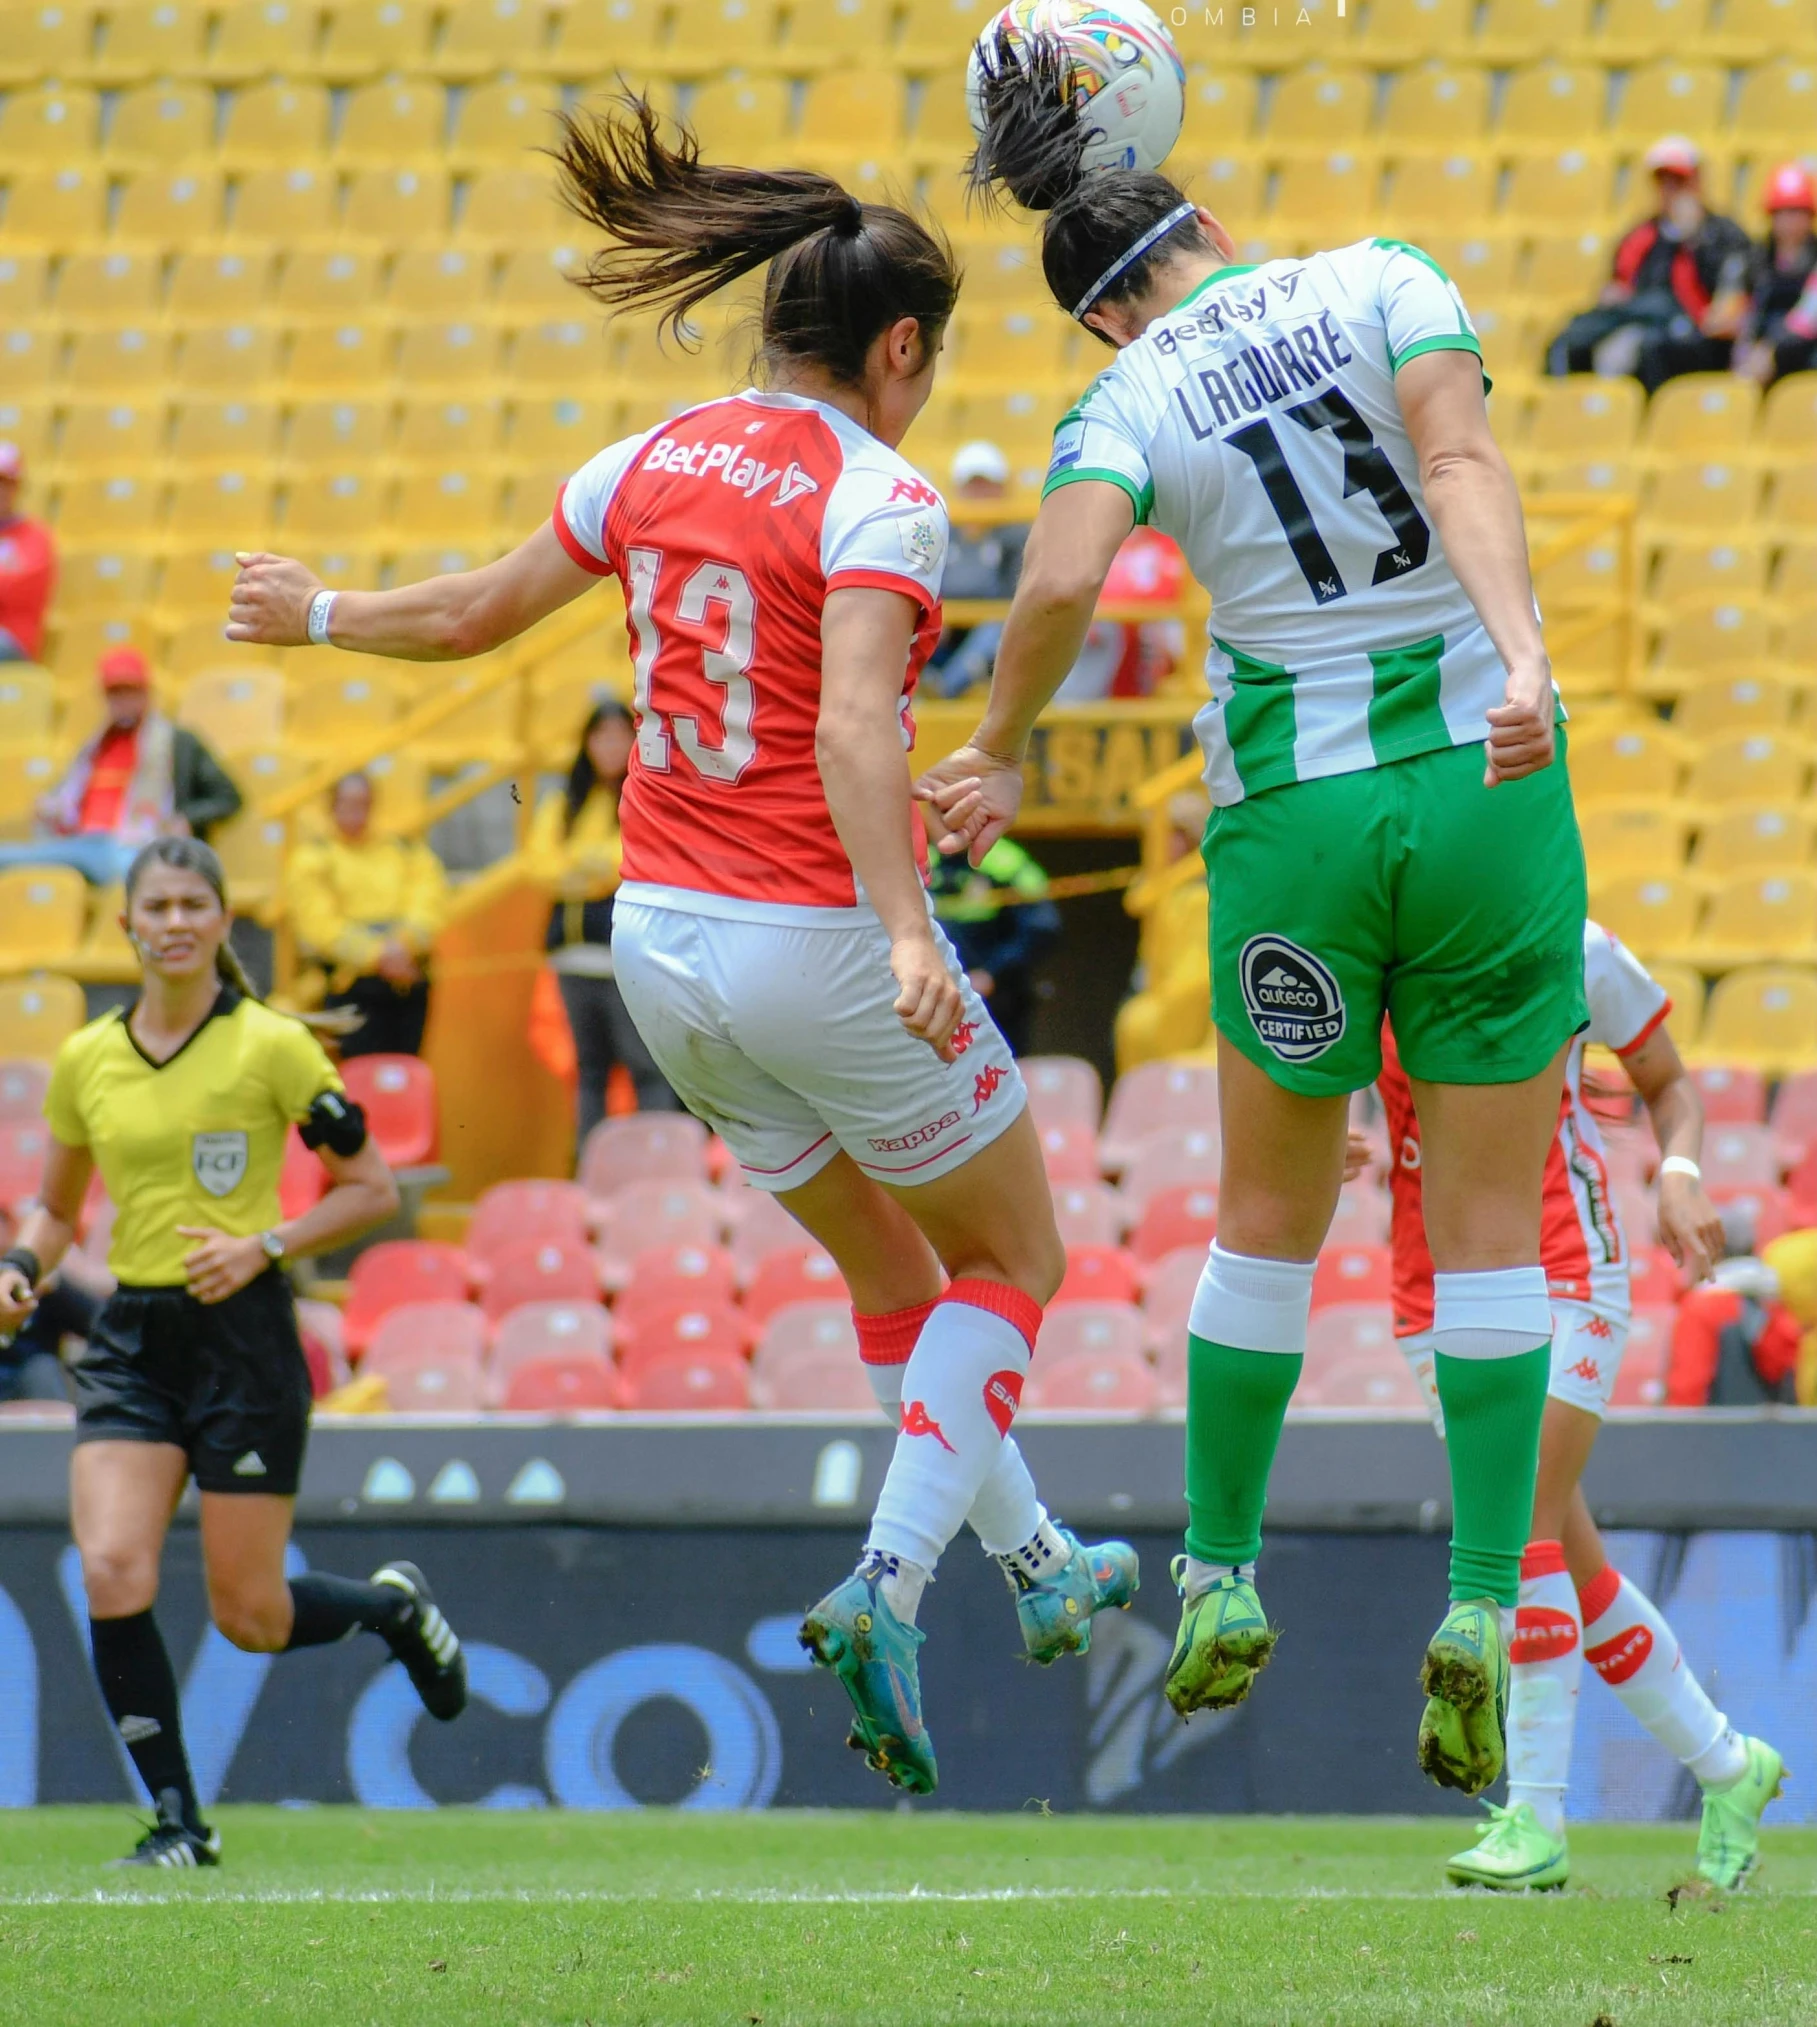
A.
x: 1572, y: 1603
x: 772, y: 938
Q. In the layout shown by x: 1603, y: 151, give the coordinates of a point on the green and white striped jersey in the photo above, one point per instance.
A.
x: 1257, y: 425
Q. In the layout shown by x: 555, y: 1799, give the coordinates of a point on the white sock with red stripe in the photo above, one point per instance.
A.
x: 1629, y: 1644
x: 1007, y: 1516
x: 960, y: 1391
x: 1546, y: 1658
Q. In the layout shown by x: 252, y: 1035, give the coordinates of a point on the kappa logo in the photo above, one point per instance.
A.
x: 1587, y: 1370
x: 963, y: 1036
x: 984, y: 1085
x: 219, y: 1161
x: 1599, y: 1326
x: 919, y: 1138
x: 916, y: 1421
x: 1294, y: 1002
x: 916, y: 491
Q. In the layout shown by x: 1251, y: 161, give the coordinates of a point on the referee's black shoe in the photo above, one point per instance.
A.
x: 173, y: 1843
x: 424, y: 1642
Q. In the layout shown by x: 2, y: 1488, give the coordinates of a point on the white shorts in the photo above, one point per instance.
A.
x: 1587, y: 1345
x: 784, y: 1040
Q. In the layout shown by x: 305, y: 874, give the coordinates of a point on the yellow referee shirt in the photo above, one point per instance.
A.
x: 198, y: 1140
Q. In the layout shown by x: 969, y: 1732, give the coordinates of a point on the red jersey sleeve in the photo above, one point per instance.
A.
x: 580, y: 506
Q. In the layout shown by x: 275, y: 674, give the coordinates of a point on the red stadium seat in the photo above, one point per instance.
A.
x: 1361, y: 1217
x: 1637, y: 1205
x: 1740, y: 1156
x: 1772, y: 1210
x: 1174, y: 1220
x: 667, y: 1275
x: 1151, y: 1097
x: 1641, y: 1382
x: 510, y: 1213
x: 568, y: 1332
x: 539, y: 1270
x: 1794, y: 1113
x: 398, y: 1093
x: 1086, y: 1213
x: 643, y: 1147
x: 761, y: 1228
x: 1063, y: 1091
x: 302, y: 1181
x: 1655, y: 1277
x: 1731, y: 1097
x: 1362, y: 1380
x: 1348, y: 1330
x: 430, y: 1354
x: 396, y: 1271
x: 805, y: 1380
x: 1631, y: 1152
x: 1167, y: 1294
x: 1070, y: 1152
x: 23, y: 1145
x: 1091, y: 1329
x: 1097, y: 1274
x: 1352, y: 1274
x: 685, y: 1330
x: 820, y: 1329
x: 806, y: 1273
x: 22, y: 1088
x: 649, y: 1220
x: 562, y: 1386
x: 682, y: 1382
x: 1101, y: 1383
x: 1169, y: 1157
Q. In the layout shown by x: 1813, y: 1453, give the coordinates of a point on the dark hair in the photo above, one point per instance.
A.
x: 1032, y: 148
x: 583, y: 776
x: 191, y: 855
x: 680, y: 229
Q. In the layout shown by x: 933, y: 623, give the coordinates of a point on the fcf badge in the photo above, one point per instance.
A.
x: 219, y: 1160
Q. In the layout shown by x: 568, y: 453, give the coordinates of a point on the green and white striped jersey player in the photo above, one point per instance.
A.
x: 1391, y: 829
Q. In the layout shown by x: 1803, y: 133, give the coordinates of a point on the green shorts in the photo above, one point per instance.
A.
x: 1410, y: 890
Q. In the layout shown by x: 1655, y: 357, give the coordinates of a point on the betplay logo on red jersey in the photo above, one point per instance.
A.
x: 735, y: 468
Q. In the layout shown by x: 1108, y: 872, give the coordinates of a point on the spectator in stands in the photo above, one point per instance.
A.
x: 1735, y: 1343
x: 574, y: 850
x: 1001, y: 924
x: 983, y: 560
x: 1676, y: 293
x: 1778, y: 330
x: 140, y: 777
x: 28, y: 567
x: 367, y: 906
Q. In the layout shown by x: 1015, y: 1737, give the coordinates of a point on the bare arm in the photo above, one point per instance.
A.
x: 441, y: 619
x: 865, y: 637
x: 49, y: 1229
x: 1688, y: 1221
x: 363, y: 1193
x: 1471, y: 495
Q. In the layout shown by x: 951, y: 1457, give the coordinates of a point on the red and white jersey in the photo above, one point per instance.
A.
x: 728, y: 526
x: 1582, y: 1245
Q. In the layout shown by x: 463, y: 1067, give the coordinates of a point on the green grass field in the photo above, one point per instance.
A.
x: 338, y: 1917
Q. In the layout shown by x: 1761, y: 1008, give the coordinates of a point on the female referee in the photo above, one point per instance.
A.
x: 1389, y: 828
x: 194, y: 1365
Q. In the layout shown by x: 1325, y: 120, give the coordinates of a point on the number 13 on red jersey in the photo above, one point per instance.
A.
x: 716, y: 608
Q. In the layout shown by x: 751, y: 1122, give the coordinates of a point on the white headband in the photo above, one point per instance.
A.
x: 1127, y: 259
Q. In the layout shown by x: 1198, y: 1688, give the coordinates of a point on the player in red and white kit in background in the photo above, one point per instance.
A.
x: 1573, y: 1605
x: 772, y: 936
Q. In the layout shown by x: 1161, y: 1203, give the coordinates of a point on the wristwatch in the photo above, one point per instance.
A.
x: 273, y: 1245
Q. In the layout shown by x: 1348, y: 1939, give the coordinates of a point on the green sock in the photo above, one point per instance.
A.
x: 1492, y: 1414
x: 1235, y: 1402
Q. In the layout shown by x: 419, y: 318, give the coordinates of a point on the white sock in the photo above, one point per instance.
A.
x: 1200, y: 1576
x: 960, y: 1391
x: 1496, y: 1312
x: 1547, y: 1665
x: 1044, y: 1554
x: 1629, y: 1644
x: 902, y: 1585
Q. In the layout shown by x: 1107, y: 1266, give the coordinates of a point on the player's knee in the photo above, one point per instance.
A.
x: 119, y: 1581
x: 255, y: 1622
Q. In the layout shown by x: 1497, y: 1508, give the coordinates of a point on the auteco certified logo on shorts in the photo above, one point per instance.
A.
x: 219, y: 1160
x: 1294, y: 1002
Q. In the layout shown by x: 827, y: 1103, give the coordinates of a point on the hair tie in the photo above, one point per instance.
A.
x: 850, y: 222
x: 1128, y: 258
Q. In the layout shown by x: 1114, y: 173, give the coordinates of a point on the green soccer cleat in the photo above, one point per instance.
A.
x: 1465, y: 1677
x: 1224, y: 1643
x: 1729, y: 1842
x: 853, y: 1632
x: 1056, y: 1611
x: 1512, y: 1854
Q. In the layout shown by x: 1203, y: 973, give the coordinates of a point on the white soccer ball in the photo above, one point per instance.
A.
x: 1128, y: 81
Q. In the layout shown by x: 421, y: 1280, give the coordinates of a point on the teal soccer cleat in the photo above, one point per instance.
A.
x: 1056, y: 1610
x: 853, y: 1632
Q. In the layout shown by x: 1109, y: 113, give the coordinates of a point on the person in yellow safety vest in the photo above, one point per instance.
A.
x: 999, y: 945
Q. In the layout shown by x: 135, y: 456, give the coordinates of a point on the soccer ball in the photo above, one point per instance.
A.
x: 1128, y: 82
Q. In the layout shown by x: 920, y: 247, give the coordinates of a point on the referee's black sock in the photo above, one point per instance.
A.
x: 329, y: 1608
x: 140, y: 1690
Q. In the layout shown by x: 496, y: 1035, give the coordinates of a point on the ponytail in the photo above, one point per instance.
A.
x: 678, y: 230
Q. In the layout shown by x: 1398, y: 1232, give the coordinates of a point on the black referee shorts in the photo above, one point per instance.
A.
x: 226, y: 1382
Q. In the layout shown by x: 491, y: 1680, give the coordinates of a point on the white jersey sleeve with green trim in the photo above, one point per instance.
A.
x: 1257, y: 424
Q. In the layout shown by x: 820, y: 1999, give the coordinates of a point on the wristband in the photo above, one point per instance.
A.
x: 1681, y: 1164
x: 321, y: 611
x: 26, y: 1261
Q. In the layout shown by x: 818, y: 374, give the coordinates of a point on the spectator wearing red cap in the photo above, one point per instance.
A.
x: 1778, y: 332
x: 28, y: 567
x: 140, y: 777
x: 1677, y: 289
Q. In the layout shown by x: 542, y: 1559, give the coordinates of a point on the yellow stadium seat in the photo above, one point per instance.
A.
x: 1776, y: 108
x: 439, y: 281
x: 108, y: 289
x: 26, y: 424
x: 396, y: 206
x: 212, y: 356
x: 1655, y: 914
x: 1448, y: 195
x: 741, y: 119
x: 1763, y: 1016
x: 252, y: 849
x: 1484, y: 269
x: 150, y: 38
x: 566, y: 356
x: 1791, y: 503
x: 1570, y: 190
x: 1626, y: 765
x: 170, y: 207
x: 78, y: 641
x: 595, y: 38
x: 195, y: 645
x: 1751, y: 767
x: 1220, y: 109
x: 98, y: 512
x: 28, y: 773
x: 104, y: 956
x: 502, y: 121
x: 1394, y: 32
x: 1631, y: 31
x: 1684, y: 990
x: 560, y: 430
x: 263, y: 38
x: 1553, y: 105
x: 277, y: 125
x: 1673, y: 97
x: 1774, y: 838
x: 340, y: 358
x: 329, y: 712
x: 1701, y: 415
x: 1232, y: 188
x: 28, y: 705
x: 398, y: 120
x: 1788, y: 415
x: 851, y: 114
x: 54, y: 208
x: 452, y: 354
x: 329, y: 285
x: 207, y: 286
x: 262, y: 772
x: 1565, y: 270
x: 1719, y: 708
x: 233, y: 509
x: 282, y: 206
x: 1624, y: 838
x: 1318, y: 109
x: 1592, y: 570
x: 38, y: 1015
x: 1321, y: 198
x: 1753, y: 919
x: 110, y: 436
x: 103, y: 580
x: 45, y: 41
x: 1795, y: 574
x: 1530, y: 31
x: 530, y: 496
x: 513, y: 208
x: 28, y: 360
x: 374, y: 38
x: 650, y: 360
x: 196, y: 581
x: 451, y: 434
x: 46, y: 127
x: 437, y: 559
x: 161, y: 124
x: 712, y: 35
x: 342, y: 506
x: 338, y: 435
x: 827, y: 34
x: 1013, y: 348
x: 43, y: 910
x: 486, y: 729
x: 1582, y: 416
x: 935, y: 34
x: 1702, y: 498
x: 1718, y: 641
x: 1752, y: 31
x: 235, y: 710
x: 447, y: 505
x: 1694, y: 572
x: 482, y: 36
x: 1002, y: 274
x: 535, y: 282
